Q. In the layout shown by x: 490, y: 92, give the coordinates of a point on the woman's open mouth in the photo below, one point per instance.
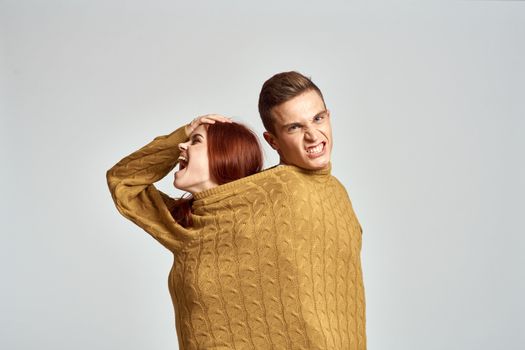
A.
x: 183, y: 162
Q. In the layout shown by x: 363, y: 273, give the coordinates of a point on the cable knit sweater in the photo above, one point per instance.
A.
x: 272, y: 260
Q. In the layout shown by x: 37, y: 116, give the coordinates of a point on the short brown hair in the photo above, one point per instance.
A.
x: 280, y: 88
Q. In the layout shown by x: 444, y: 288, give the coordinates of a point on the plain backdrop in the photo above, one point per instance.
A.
x: 428, y: 109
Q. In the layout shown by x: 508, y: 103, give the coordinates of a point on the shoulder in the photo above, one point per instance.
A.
x: 338, y: 185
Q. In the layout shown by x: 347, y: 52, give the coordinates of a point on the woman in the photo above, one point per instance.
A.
x: 260, y: 262
x: 211, y: 151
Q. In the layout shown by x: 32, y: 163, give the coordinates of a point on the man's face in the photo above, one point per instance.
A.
x: 303, y: 133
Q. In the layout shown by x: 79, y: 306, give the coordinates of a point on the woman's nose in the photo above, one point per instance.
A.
x: 183, y: 146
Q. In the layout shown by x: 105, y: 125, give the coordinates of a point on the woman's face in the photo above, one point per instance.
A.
x: 194, y: 170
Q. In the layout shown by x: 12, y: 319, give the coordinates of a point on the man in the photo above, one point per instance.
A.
x: 298, y: 127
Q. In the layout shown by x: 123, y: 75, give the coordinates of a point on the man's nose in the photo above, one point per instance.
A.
x: 310, y: 135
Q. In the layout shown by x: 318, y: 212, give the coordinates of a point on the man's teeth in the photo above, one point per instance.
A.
x: 316, y: 149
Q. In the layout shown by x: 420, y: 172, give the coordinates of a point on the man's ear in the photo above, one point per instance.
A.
x: 271, y: 140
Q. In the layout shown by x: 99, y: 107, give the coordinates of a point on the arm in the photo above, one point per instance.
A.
x: 131, y: 181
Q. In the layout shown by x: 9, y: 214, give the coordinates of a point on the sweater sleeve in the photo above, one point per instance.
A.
x: 131, y: 181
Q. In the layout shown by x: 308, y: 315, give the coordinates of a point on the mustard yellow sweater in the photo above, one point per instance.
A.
x: 272, y: 260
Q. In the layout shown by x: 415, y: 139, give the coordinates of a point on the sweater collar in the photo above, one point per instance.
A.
x: 230, y: 187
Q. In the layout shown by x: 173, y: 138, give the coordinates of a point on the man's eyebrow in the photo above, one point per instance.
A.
x: 290, y: 124
x: 324, y: 111
x: 320, y: 113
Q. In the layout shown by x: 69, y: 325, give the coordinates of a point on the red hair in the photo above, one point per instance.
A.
x: 234, y: 152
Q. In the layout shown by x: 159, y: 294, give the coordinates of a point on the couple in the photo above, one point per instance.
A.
x: 262, y: 259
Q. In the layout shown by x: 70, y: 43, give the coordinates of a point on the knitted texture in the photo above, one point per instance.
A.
x: 272, y: 260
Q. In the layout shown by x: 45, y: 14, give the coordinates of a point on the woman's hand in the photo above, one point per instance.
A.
x: 206, y: 119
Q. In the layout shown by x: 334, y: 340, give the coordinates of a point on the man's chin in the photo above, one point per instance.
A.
x: 316, y: 164
x: 308, y: 164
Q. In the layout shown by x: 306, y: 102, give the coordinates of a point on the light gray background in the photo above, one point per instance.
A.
x: 428, y: 107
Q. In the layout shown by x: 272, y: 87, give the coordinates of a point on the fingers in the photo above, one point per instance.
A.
x: 212, y: 118
x: 206, y: 119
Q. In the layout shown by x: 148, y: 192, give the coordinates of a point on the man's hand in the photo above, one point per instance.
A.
x: 206, y: 119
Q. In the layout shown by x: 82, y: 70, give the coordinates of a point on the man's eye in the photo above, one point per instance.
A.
x: 293, y: 127
x: 319, y: 118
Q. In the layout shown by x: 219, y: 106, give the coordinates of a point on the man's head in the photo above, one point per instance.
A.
x: 296, y: 120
